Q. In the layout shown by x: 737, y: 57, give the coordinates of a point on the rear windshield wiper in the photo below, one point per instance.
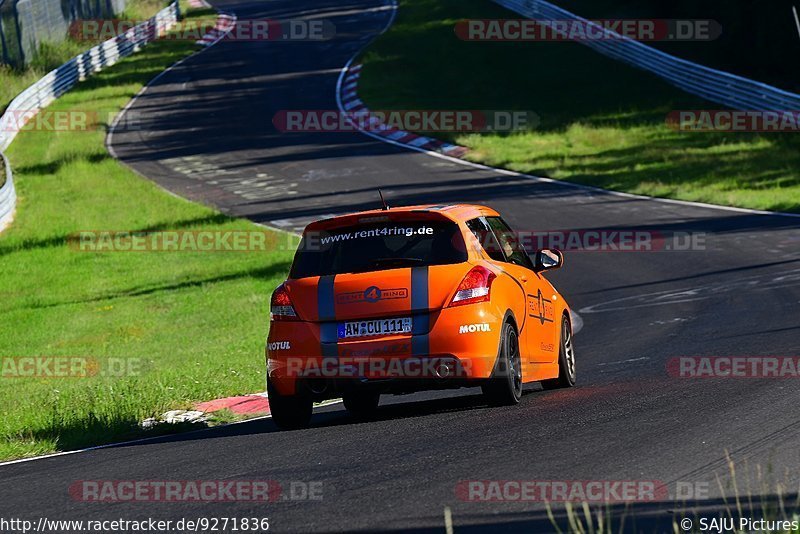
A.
x: 382, y: 261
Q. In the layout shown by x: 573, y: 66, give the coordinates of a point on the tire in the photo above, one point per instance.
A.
x: 566, y: 360
x: 361, y: 404
x: 289, y: 412
x: 505, y: 386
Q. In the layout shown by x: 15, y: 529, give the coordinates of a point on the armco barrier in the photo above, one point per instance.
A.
x: 8, y: 197
x: 716, y: 86
x: 62, y: 79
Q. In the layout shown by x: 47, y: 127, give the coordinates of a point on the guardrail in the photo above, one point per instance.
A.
x: 714, y: 85
x: 60, y: 80
x: 8, y: 197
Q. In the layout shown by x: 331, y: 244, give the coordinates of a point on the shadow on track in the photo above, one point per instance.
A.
x: 336, y: 415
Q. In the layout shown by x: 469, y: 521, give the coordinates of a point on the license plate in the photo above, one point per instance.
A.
x: 377, y: 327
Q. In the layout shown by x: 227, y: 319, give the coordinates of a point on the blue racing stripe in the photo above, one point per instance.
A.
x: 325, y: 298
x: 420, y: 343
x: 326, y: 309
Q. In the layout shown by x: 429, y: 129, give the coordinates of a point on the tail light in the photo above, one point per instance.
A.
x: 475, y: 287
x: 281, y: 308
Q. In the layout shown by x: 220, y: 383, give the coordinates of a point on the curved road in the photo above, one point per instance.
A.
x: 208, y: 137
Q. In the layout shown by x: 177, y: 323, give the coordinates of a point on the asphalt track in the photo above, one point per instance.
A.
x: 208, y: 137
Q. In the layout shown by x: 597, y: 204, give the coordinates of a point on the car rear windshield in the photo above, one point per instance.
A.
x: 379, y: 246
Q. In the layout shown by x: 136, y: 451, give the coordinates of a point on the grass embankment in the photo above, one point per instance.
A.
x: 603, y: 123
x: 192, y: 325
x: 51, y: 55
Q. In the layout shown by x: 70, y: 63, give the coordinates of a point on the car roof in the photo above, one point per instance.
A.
x: 454, y: 212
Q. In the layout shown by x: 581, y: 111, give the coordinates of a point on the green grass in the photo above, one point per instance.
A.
x: 195, y: 321
x: 15, y: 81
x: 602, y: 122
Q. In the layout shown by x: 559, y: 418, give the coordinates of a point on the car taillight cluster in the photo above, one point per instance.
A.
x: 281, y: 308
x: 475, y: 287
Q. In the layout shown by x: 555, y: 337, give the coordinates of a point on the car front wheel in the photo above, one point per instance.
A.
x: 566, y: 360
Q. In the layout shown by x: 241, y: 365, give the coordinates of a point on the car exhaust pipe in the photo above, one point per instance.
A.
x: 318, y: 387
x: 443, y: 371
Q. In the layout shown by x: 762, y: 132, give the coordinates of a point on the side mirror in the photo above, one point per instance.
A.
x: 547, y: 259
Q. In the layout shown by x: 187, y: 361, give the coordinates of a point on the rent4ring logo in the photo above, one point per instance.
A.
x: 540, y: 308
x: 372, y: 294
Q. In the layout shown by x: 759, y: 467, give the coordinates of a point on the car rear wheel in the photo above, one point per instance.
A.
x: 361, y: 404
x: 505, y: 386
x: 566, y: 360
x: 289, y: 411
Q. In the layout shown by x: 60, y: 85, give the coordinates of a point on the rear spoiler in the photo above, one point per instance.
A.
x: 376, y: 217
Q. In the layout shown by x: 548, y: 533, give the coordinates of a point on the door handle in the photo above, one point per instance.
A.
x: 524, y: 279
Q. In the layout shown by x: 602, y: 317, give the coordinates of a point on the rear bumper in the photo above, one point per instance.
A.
x: 450, y: 348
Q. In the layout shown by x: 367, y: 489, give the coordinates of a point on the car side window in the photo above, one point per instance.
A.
x: 509, y: 243
x: 480, y: 228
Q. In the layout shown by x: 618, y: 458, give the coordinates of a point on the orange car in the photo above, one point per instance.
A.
x: 406, y: 299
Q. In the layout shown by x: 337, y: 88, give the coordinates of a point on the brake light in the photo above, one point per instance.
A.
x: 475, y: 287
x: 375, y: 219
x: 281, y: 308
